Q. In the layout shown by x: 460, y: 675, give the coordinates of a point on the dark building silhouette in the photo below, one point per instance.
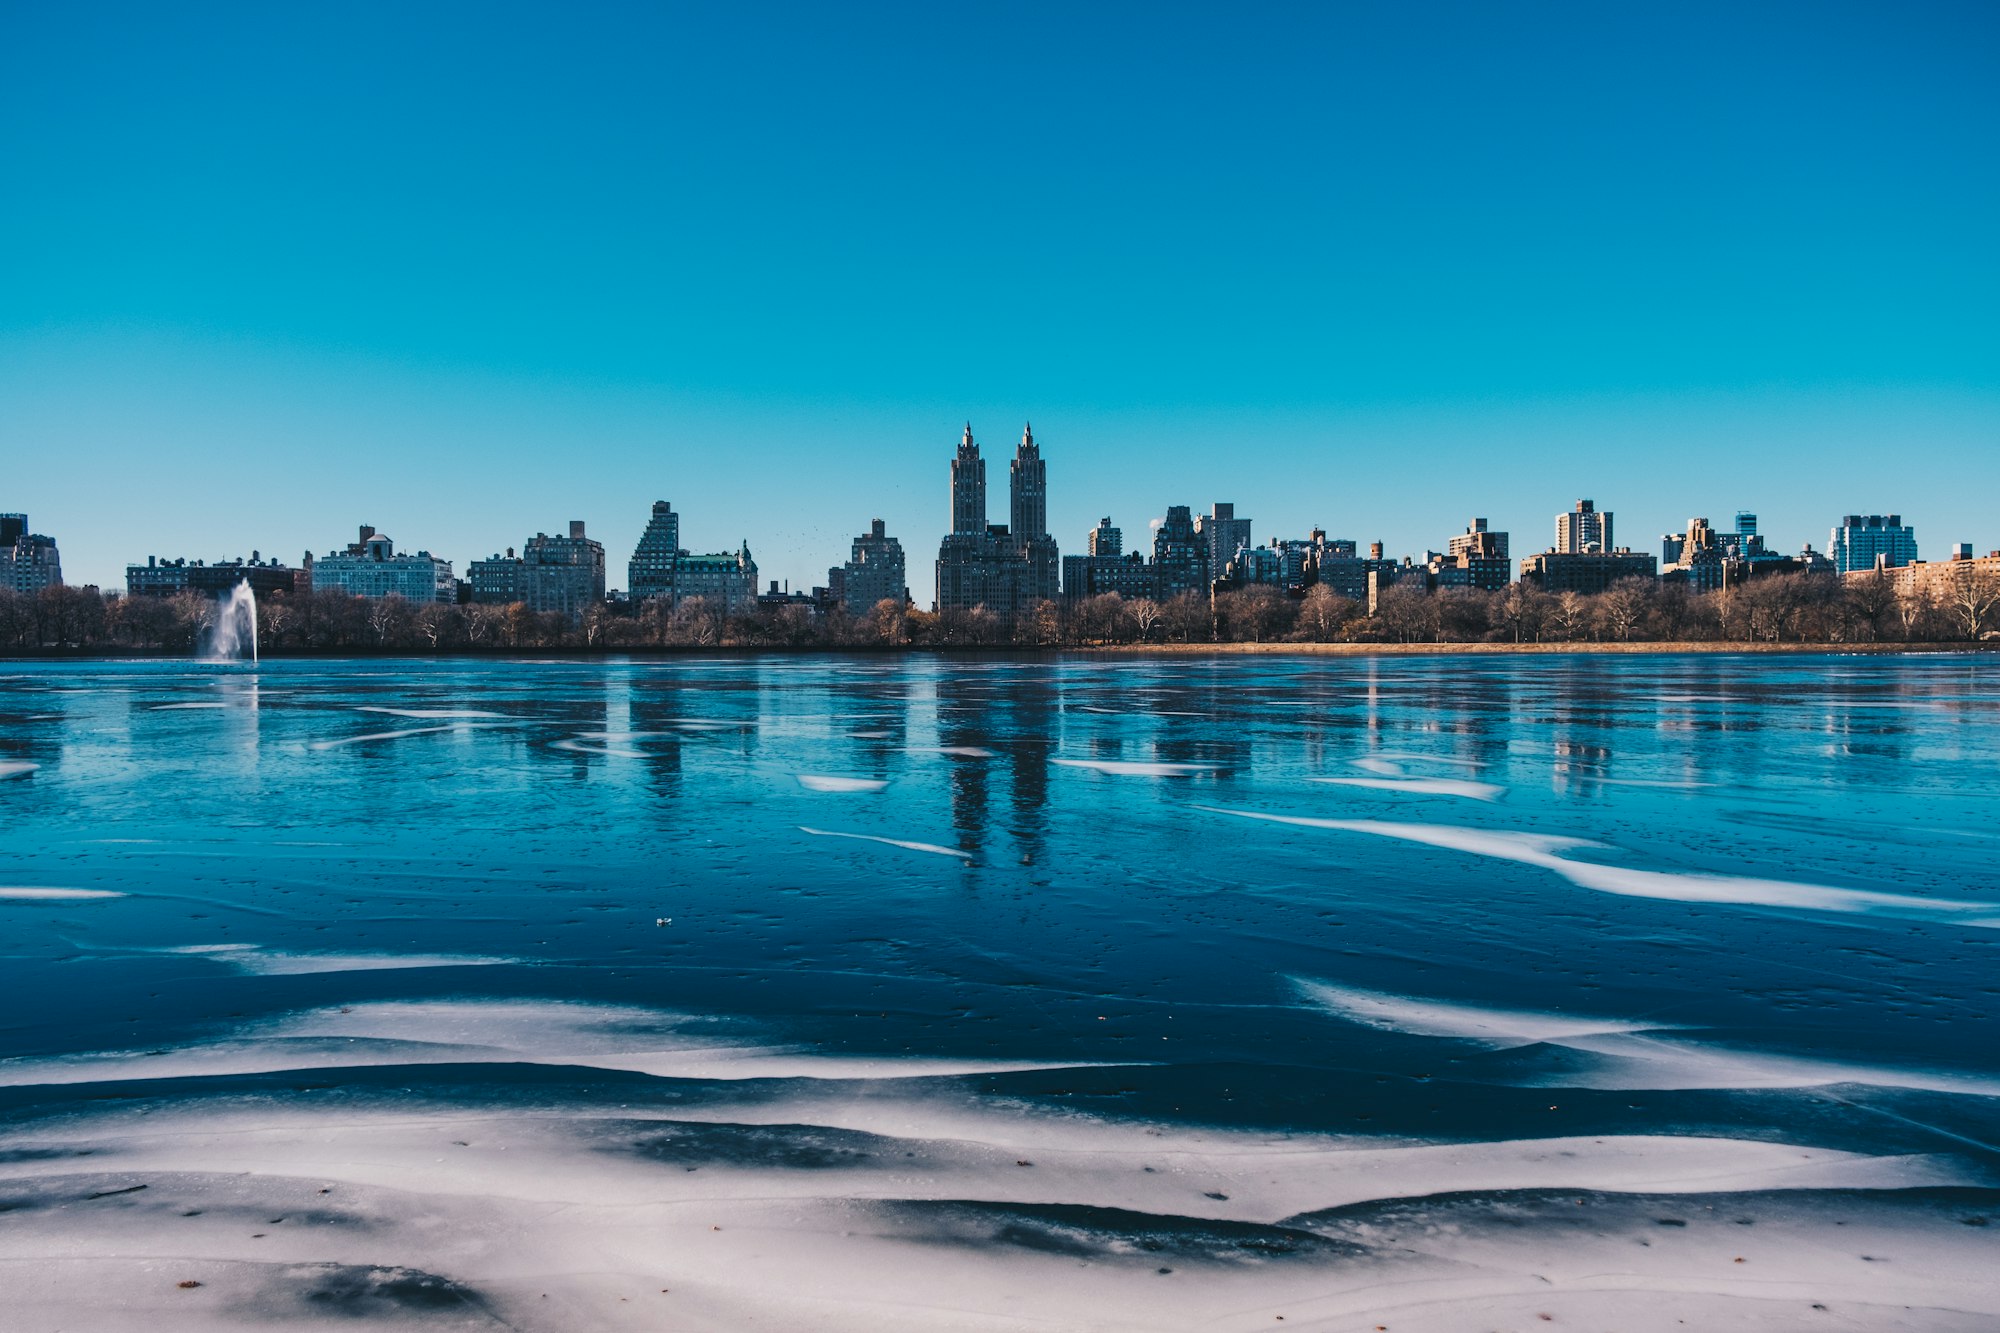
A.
x: 1004, y: 569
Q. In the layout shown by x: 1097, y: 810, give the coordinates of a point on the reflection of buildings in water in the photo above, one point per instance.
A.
x: 964, y: 721
x: 1033, y: 731
x: 877, y: 726
x: 1222, y: 756
x: 1579, y: 768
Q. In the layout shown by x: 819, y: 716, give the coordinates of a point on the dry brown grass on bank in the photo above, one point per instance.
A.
x: 1454, y: 649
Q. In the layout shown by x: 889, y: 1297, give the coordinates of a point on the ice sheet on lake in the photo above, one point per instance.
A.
x: 39, y: 893
x: 1551, y: 853
x: 833, y: 782
x: 15, y: 768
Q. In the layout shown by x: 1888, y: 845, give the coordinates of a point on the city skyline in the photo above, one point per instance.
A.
x: 466, y: 276
x: 1526, y: 541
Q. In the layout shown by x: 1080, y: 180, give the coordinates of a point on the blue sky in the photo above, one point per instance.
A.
x: 468, y: 272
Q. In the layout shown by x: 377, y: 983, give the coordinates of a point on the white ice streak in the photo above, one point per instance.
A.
x: 259, y: 961
x: 428, y: 712
x: 36, y: 893
x: 168, y: 708
x: 398, y: 1033
x: 1474, y: 791
x: 958, y: 751
x: 1133, y: 768
x: 931, y: 847
x: 14, y: 768
x: 1411, y: 757
x: 581, y: 746
x: 1631, y: 1054
x: 390, y: 735
x: 1549, y: 853
x: 833, y: 782
x: 1499, y: 1028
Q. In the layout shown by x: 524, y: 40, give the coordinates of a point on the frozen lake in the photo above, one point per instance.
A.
x: 856, y: 993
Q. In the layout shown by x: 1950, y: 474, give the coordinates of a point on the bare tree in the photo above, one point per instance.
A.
x: 1523, y: 611
x: 1186, y: 617
x: 1146, y: 614
x: 1970, y: 595
x: 1323, y: 612
x: 1872, y: 599
x: 1569, y: 615
x: 1408, y: 613
x: 1623, y: 606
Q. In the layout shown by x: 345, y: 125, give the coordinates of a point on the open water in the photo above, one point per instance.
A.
x: 1459, y: 993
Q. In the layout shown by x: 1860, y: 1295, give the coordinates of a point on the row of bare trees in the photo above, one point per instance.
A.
x: 1784, y: 609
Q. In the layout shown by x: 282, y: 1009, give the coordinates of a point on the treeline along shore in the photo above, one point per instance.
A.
x: 1800, y: 611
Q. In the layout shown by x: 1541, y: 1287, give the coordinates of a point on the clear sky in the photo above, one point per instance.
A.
x: 467, y: 272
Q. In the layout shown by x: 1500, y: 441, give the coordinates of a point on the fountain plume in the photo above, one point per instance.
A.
x: 235, y: 627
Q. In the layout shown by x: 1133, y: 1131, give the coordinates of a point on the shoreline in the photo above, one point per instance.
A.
x: 1693, y: 647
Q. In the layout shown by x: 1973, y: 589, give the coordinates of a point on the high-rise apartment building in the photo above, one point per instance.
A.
x: 650, y: 572
x: 1583, y: 529
x: 1586, y: 571
x: 498, y: 580
x: 1701, y: 561
x: 371, y: 567
x: 1224, y: 534
x: 563, y: 574
x: 1866, y: 541
x: 1478, y: 539
x: 1180, y: 555
x: 1475, y: 558
x: 874, y: 571
x: 29, y: 561
x: 1106, y: 568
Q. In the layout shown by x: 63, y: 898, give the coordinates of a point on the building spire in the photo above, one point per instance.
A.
x: 1028, y: 433
x: 968, y: 434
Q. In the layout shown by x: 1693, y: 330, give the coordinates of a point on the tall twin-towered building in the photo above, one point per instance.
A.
x: 1005, y: 568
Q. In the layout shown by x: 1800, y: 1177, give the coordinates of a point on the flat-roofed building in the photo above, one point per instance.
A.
x: 564, y: 575
x: 164, y: 578
x: 1585, y: 528
x: 1086, y: 576
x: 498, y: 580
x: 1869, y: 541
x: 1587, y: 572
